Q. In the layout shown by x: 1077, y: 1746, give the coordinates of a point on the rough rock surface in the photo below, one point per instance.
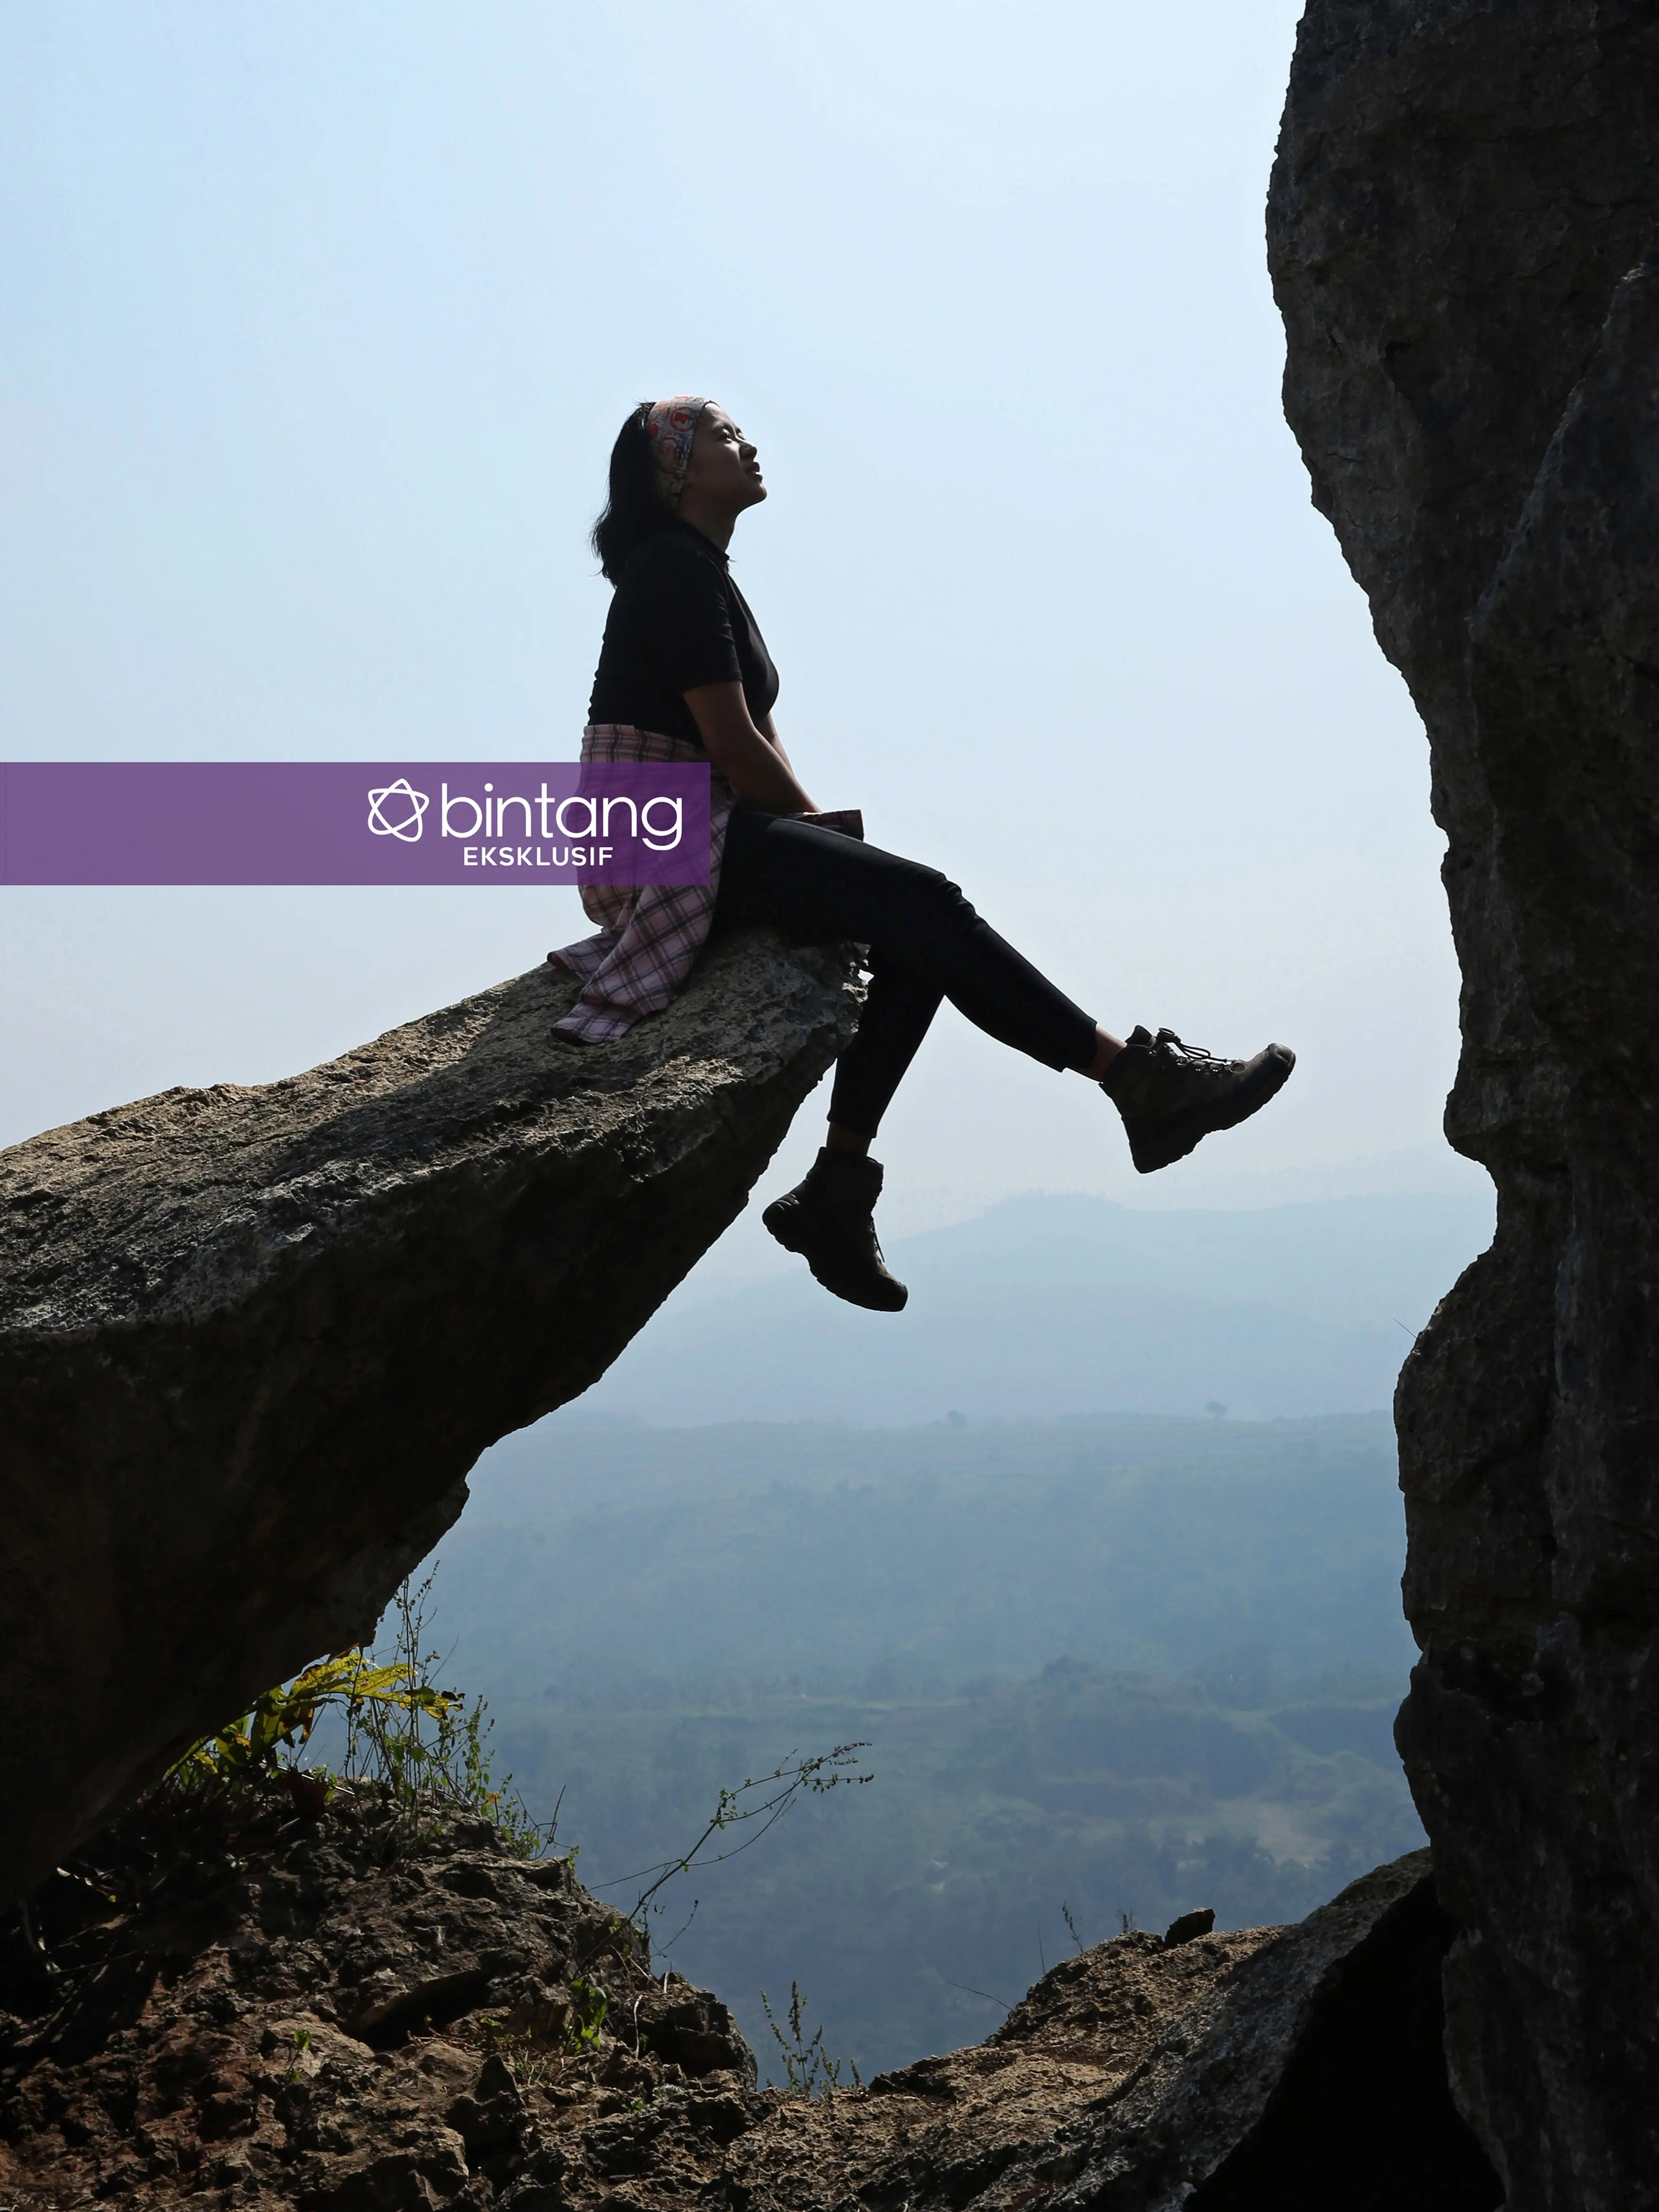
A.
x: 1295, y: 2068
x: 251, y: 1340
x: 274, y: 2011
x: 1462, y: 217
x: 266, y: 2010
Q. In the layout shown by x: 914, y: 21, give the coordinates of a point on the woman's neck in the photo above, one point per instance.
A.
x: 716, y: 522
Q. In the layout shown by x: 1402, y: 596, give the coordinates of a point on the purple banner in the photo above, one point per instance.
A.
x: 352, y: 822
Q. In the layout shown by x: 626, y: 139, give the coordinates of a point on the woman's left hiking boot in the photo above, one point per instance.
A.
x: 829, y: 1220
x: 1171, y: 1095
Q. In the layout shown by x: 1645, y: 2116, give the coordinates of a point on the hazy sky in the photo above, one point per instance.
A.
x: 316, y: 324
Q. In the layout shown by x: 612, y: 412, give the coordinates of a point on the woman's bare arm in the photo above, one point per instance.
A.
x: 757, y: 769
x: 768, y: 730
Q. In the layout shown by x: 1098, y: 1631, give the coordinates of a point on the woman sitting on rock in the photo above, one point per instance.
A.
x: 684, y: 675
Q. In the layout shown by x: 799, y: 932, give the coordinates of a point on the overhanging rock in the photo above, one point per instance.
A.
x: 251, y: 1340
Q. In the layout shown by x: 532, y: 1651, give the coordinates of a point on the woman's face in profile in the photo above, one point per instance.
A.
x: 723, y: 469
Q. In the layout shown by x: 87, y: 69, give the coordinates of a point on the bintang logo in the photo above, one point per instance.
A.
x: 408, y: 808
x: 656, y: 820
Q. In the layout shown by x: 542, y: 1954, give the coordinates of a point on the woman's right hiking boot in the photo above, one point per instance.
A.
x: 1170, y: 1094
x: 829, y: 1220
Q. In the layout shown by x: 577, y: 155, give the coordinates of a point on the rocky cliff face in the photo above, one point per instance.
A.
x: 263, y: 2005
x: 1465, y: 199
x: 251, y: 1341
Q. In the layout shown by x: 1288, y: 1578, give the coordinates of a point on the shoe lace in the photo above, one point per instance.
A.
x: 1195, y: 1052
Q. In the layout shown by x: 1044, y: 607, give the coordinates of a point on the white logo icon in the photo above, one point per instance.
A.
x: 409, y: 816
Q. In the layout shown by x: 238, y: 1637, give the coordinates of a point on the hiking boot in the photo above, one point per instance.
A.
x: 1171, y: 1094
x: 828, y: 1219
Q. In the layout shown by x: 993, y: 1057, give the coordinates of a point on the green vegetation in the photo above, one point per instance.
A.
x: 808, y: 2071
x: 427, y: 1748
x: 251, y: 1748
x: 589, y: 2005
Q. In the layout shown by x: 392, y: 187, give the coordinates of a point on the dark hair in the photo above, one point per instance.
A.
x: 634, y: 509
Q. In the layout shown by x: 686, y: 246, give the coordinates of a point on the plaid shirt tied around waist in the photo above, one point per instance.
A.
x: 649, y: 934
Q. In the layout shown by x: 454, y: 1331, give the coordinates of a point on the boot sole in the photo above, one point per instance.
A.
x: 779, y: 1219
x: 1160, y: 1144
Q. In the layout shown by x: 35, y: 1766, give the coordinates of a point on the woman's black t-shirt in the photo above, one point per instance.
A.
x: 678, y: 620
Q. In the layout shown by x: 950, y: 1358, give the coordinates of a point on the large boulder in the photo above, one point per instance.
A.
x: 1464, y: 199
x: 251, y: 1340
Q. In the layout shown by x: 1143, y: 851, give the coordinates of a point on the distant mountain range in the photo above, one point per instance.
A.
x: 1051, y: 1306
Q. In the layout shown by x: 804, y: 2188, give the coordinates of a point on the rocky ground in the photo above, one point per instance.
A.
x: 285, y: 2006
x: 995, y: 2126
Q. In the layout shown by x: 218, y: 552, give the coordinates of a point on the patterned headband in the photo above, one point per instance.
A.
x: 671, y: 424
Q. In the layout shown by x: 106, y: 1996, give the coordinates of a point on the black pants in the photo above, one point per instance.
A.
x: 926, y: 944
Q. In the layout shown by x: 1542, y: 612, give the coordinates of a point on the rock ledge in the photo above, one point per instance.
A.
x: 251, y: 1341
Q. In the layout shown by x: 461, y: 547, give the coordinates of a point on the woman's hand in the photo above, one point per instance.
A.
x: 753, y: 760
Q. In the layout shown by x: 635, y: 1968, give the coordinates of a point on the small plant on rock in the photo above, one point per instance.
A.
x: 525, y: 2058
x: 589, y: 2005
x: 424, y: 1747
x: 251, y: 1748
x: 808, y: 2071
x: 438, y: 1748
